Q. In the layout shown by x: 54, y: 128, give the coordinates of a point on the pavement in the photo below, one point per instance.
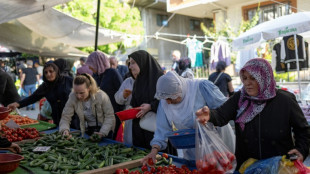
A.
x: 30, y: 113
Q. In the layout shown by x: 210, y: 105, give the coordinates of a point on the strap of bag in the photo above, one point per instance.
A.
x: 217, y: 77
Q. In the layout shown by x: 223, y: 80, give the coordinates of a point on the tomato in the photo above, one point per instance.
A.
x: 19, y: 138
x: 150, y: 162
x: 165, y: 155
x: 126, y: 171
x: 153, y: 170
x: 147, y: 172
x: 144, y: 168
x: 119, y: 171
x: 230, y: 156
x: 176, y: 134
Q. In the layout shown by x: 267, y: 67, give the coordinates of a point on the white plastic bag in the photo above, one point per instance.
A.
x: 212, y: 155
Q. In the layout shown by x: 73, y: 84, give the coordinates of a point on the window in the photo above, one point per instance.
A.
x: 269, y: 10
x: 194, y: 24
x: 162, y: 20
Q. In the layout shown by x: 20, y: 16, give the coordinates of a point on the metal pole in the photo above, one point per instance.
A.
x: 97, y: 24
x: 297, y: 63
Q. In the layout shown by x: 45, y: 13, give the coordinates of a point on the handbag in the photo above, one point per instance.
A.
x: 148, y: 121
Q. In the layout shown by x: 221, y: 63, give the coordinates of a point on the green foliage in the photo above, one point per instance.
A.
x: 284, y: 76
x: 113, y: 15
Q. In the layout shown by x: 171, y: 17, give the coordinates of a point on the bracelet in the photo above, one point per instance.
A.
x: 154, y: 147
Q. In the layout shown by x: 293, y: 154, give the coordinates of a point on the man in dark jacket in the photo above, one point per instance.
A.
x: 8, y: 92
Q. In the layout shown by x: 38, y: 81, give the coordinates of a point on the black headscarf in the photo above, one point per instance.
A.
x: 64, y: 67
x: 144, y: 87
x: 47, y: 84
x: 184, y: 63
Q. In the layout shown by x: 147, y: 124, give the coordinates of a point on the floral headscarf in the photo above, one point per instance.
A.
x: 250, y: 106
x: 99, y: 61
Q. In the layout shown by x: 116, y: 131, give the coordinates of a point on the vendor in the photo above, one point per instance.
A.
x: 55, y: 88
x: 265, y: 117
x: 179, y: 99
x: 92, y: 106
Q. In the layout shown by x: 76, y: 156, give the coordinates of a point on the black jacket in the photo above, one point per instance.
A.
x: 269, y: 133
x: 8, y: 92
x: 56, y: 96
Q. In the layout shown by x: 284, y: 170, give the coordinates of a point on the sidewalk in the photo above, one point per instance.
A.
x: 30, y: 113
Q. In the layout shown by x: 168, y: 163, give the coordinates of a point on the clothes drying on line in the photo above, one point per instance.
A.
x: 220, y: 51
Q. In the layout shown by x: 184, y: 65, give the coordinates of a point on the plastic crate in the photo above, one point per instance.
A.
x: 182, y: 139
x: 41, y: 126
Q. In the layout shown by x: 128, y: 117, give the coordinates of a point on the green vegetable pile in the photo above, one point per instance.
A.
x: 76, y: 154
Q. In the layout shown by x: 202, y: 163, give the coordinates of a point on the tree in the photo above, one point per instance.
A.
x: 113, y: 15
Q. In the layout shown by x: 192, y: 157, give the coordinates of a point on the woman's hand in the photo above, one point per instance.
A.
x: 203, y: 115
x: 99, y: 134
x: 296, y: 152
x: 13, y: 148
x: 144, y: 109
x: 13, y: 106
x: 151, y: 155
x: 126, y: 93
x: 66, y: 134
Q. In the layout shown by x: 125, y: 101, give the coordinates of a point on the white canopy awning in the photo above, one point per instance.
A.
x: 12, y: 9
x: 63, y: 28
x: 16, y: 36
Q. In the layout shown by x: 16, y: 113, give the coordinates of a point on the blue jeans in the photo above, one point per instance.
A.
x: 31, y: 89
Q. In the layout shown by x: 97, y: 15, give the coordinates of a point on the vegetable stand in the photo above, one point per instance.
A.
x: 81, y: 155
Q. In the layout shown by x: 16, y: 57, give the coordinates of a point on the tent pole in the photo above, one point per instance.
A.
x: 297, y: 63
x: 97, y: 24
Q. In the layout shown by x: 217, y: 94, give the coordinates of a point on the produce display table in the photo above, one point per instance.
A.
x: 25, y: 168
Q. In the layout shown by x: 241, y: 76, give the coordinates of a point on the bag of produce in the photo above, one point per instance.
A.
x: 212, y: 155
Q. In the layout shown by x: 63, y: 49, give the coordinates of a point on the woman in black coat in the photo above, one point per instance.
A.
x: 265, y: 117
x: 55, y: 88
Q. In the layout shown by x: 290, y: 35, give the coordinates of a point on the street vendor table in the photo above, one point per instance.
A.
x: 22, y: 169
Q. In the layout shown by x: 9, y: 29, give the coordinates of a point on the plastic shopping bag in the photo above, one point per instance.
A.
x: 286, y: 166
x: 265, y: 166
x: 212, y: 155
x: 302, y: 169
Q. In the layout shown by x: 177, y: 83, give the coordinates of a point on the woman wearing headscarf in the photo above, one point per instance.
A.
x: 264, y: 116
x: 55, y: 88
x: 185, y: 68
x: 179, y: 100
x: 148, y: 71
x: 108, y: 79
x: 64, y: 67
x: 222, y: 80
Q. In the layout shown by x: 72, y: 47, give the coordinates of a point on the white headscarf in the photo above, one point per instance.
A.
x: 172, y: 86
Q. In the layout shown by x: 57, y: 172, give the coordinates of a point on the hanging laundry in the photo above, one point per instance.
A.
x: 276, y: 63
x: 288, y: 49
x: 220, y: 51
x: 191, y: 47
x: 199, y: 57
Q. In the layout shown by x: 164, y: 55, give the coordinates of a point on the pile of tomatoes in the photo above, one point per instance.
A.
x: 216, y: 162
x: 19, y: 134
x: 171, y: 169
